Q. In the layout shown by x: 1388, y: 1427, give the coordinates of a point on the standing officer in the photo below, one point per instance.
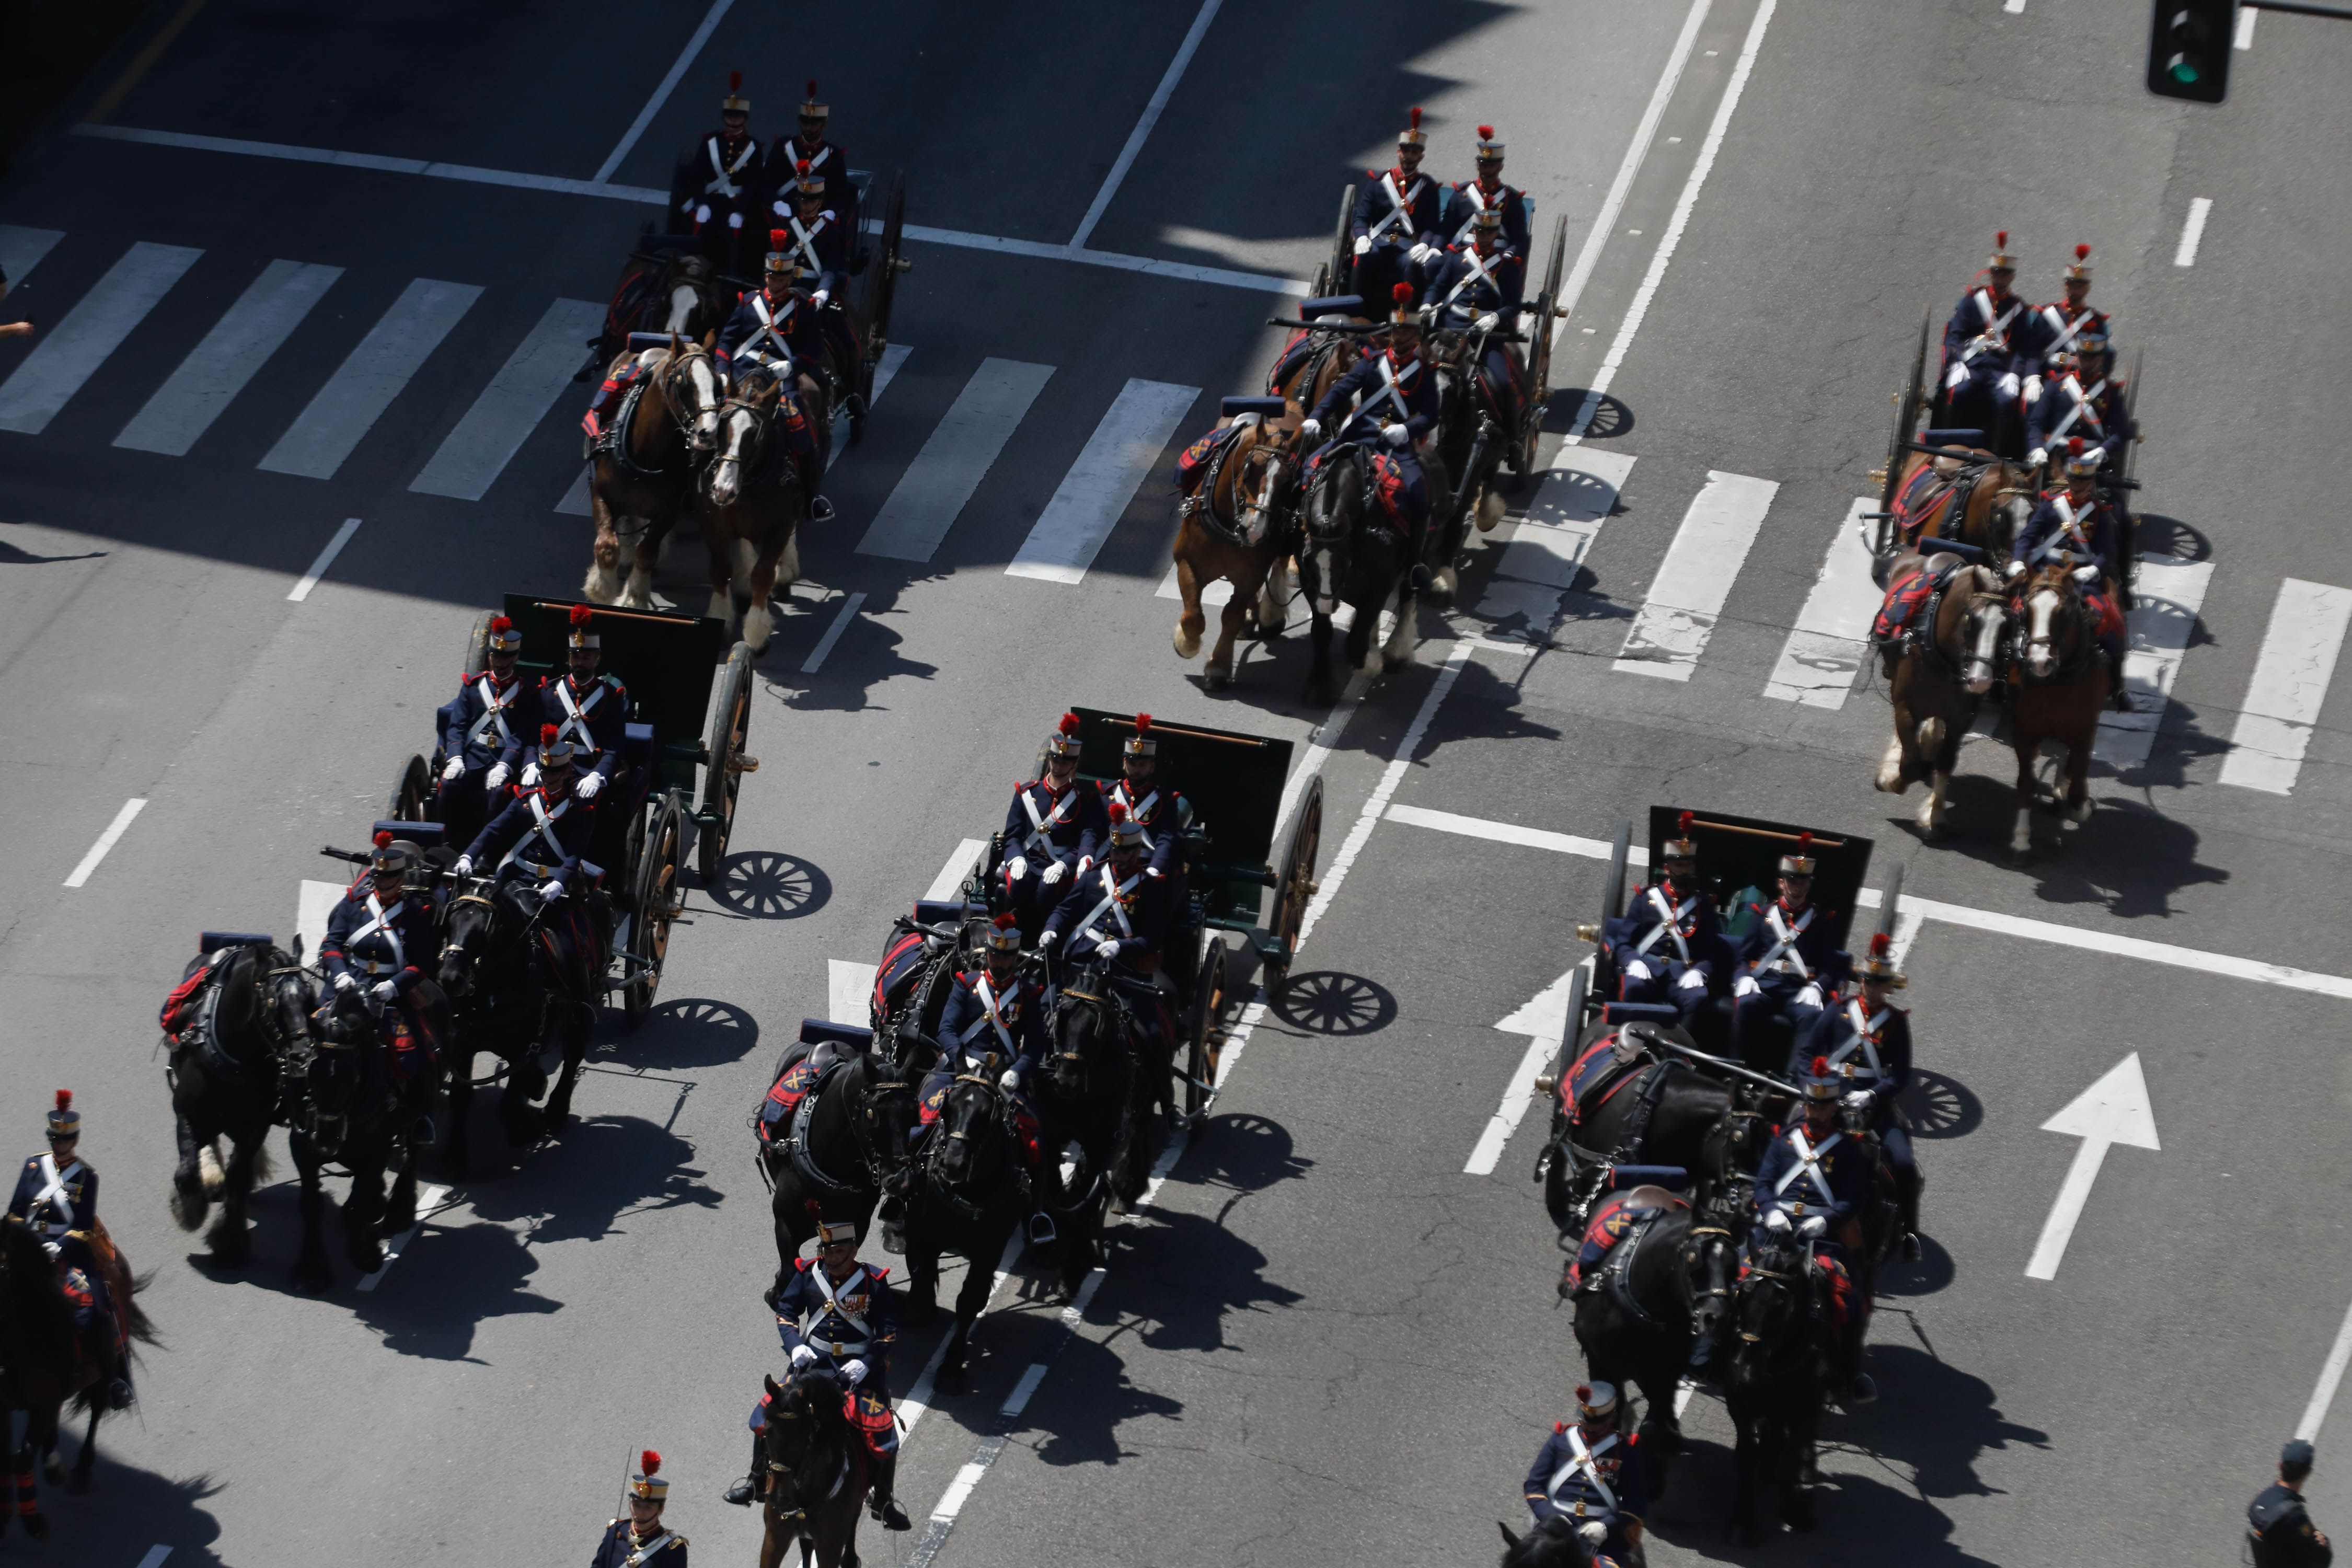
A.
x: 56, y: 1197
x: 486, y: 721
x: 1590, y: 1473
x: 1666, y: 944
x: 722, y: 184
x: 1980, y: 389
x: 809, y: 153
x: 2278, y: 1529
x: 1488, y: 193
x: 1051, y: 823
x: 2046, y: 336
x: 1395, y: 219
x: 1780, y: 968
x: 773, y: 332
x: 640, y: 1540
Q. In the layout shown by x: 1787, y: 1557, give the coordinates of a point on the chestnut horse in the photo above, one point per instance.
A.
x: 1238, y: 529
x: 1936, y: 683
x: 1978, y: 499
x: 750, y: 503
x: 641, y: 475
x: 2057, y: 687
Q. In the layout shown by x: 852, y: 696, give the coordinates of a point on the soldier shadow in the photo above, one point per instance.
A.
x: 841, y: 685
x: 767, y: 885
x: 2129, y: 859
x: 10, y: 556
x: 2181, y: 742
x: 691, y: 1031
x: 1934, y: 1272
x: 1327, y: 1001
x: 1243, y: 1154
x: 1484, y: 706
x: 1180, y: 1285
x: 1100, y: 1403
x: 446, y: 1284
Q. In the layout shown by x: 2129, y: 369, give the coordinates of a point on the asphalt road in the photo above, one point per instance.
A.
x: 1324, y: 1339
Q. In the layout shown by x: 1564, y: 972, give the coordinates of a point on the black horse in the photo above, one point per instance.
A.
x: 1552, y: 1543
x: 1779, y: 1372
x: 503, y: 999
x: 226, y: 1062
x: 346, y: 1106
x: 848, y: 1151
x: 1093, y: 1094
x: 1662, y: 1291
x: 972, y: 1195
x: 814, y: 1469
x: 1351, y: 552
x: 1661, y: 1112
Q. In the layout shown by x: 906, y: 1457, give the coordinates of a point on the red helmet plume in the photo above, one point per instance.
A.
x: 2000, y: 239
x: 1117, y: 811
x: 1416, y: 120
x: 1486, y: 132
x: 581, y: 615
x: 1880, y: 945
x: 65, y: 1100
x: 734, y: 83
x: 384, y: 837
x: 1069, y: 724
x: 1682, y: 824
x: 779, y: 239
x: 802, y: 167
x: 650, y: 1461
x: 1584, y: 1394
x: 2081, y: 253
x: 2074, y: 445
x: 1820, y: 1066
x: 1804, y: 843
x: 1142, y: 723
x: 500, y: 624
x: 547, y: 733
x: 812, y: 97
x: 1005, y: 921
x: 1402, y: 294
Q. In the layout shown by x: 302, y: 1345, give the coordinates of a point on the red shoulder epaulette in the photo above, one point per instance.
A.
x: 879, y: 1273
x: 1557, y: 1427
x: 802, y: 1265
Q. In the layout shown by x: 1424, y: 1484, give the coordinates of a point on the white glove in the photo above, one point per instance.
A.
x: 1692, y: 980
x: 2036, y: 458
x: 453, y: 769
x: 853, y: 1369
x: 2009, y: 384
x: 1107, y: 948
x: 464, y: 866
x: 1419, y: 253
x: 529, y: 774
x: 1310, y: 431
x: 1637, y: 969
x: 2016, y: 569
x: 802, y: 1356
x: 734, y: 220
x: 1363, y: 244
x: 588, y: 786
x: 344, y: 982
x: 820, y: 296
x: 1814, y: 1226
x: 1395, y: 435
x: 496, y: 776
x: 2086, y: 576
x: 1745, y: 986
x: 1010, y: 1083
x: 1048, y: 939
x: 1811, y: 997
x: 384, y: 990
x: 1487, y: 322
x: 1019, y: 867
x: 2032, y: 390
x: 1054, y: 873
x: 702, y: 213
x: 1956, y: 378
x: 1592, y: 1532
x: 551, y: 889
x: 1777, y: 1220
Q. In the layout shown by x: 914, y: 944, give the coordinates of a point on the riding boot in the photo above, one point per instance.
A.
x: 880, y: 1503
x: 743, y: 1492
x: 1855, y: 1386
x: 2118, y: 698
x: 1906, y: 1207
x: 112, y: 1372
x: 893, y: 1215
x: 1419, y: 575
x: 1048, y: 1187
x: 811, y: 469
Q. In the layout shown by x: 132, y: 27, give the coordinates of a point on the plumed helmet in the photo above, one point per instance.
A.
x: 391, y: 858
x: 1413, y: 135
x: 2080, y: 268
x: 1487, y: 146
x: 556, y: 751
x: 811, y: 183
x: 780, y: 253
x: 1822, y: 1083
x: 1596, y: 1401
x: 1799, y: 862
x: 503, y: 638
x: 2001, y: 260
x: 1880, y: 965
x: 1125, y: 833
x: 1064, y: 741
x: 65, y: 1121
x: 1682, y: 845
x: 2081, y: 459
x: 1004, y: 934
x: 1143, y: 743
x: 648, y: 1483
x: 813, y: 107
x: 734, y: 102
x: 1402, y: 316
x: 583, y: 633
x: 834, y: 1232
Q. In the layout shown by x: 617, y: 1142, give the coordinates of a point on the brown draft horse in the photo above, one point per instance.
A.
x: 816, y: 1472
x: 1936, y: 686
x: 676, y: 292
x: 750, y: 503
x: 640, y: 478
x: 41, y: 1365
x: 2057, y: 687
x: 1238, y: 528
x: 1980, y: 501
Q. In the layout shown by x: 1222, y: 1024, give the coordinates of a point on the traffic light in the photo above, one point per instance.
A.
x: 2188, y: 48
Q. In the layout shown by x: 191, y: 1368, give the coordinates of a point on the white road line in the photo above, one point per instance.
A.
x: 2193, y: 230
x: 2012, y: 6
x: 1026, y: 1389
x: 2289, y: 686
x: 21, y: 250
x: 2165, y: 602
x: 218, y: 367
x: 677, y: 69
x: 431, y: 1199
x: 1548, y: 545
x: 849, y: 991
x: 301, y: 590
x: 314, y: 905
x: 510, y: 408
x: 1605, y: 222
x: 369, y: 377
x: 106, y: 841
x: 918, y: 1399
x: 1545, y: 1022
x: 1142, y: 131
x: 154, y: 1558
x: 1184, y: 271
x: 1907, y: 931
x: 1624, y: 343
x: 960, y: 861
x: 1320, y: 742
x: 1101, y: 485
x: 2245, y: 37
x: 849, y: 613
x: 933, y: 490
x: 2021, y: 926
x: 1672, y: 630
x: 69, y: 353
x: 575, y: 501
x: 2339, y: 1354
x: 1831, y: 639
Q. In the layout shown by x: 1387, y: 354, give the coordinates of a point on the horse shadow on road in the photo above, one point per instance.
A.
x: 126, y: 1511
x: 2129, y: 859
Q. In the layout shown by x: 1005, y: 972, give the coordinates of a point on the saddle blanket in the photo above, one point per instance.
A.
x: 784, y: 1095
x: 1192, y: 467
x: 1903, y: 597
x: 1598, y: 1066
x: 1921, y: 503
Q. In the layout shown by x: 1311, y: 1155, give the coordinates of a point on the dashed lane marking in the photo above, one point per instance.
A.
x: 510, y: 408
x: 154, y: 1558
x: 2192, y: 231
x: 1671, y: 631
x: 933, y: 492
x: 825, y: 645
x: 1831, y: 637
x: 848, y: 991
x: 1100, y: 486
x: 2165, y: 601
x: 686, y: 58
x: 2245, y: 37
x: 309, y: 580
x: 106, y: 841
x: 1142, y: 131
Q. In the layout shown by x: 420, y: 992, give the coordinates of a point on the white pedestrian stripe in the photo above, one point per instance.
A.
x: 847, y: 613
x: 21, y: 250
x: 952, y: 875
x: 69, y: 354
x: 301, y: 590
x: 218, y: 368
x: 2165, y: 602
x: 106, y: 841
x: 1831, y: 637
x: 848, y: 991
x: 1100, y: 486
x: 1548, y: 545
x: 2192, y: 232
x: 1693, y: 582
x: 2245, y: 34
x: 2290, y: 684
x: 933, y: 490
x: 510, y: 408
x: 369, y: 377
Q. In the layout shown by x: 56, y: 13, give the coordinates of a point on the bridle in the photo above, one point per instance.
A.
x: 941, y: 1186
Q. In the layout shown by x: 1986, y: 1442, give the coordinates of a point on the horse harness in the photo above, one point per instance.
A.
x: 796, y: 1140
x: 612, y: 441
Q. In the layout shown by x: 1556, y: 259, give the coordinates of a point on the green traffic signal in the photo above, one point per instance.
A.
x: 2184, y: 69
x: 2188, y: 48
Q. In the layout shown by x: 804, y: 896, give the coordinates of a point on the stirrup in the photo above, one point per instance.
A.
x: 892, y: 1516
x: 820, y: 509
x: 1041, y: 1228
x: 741, y: 1494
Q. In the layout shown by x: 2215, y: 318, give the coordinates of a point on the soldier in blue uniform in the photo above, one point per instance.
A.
x: 1393, y: 398
x: 548, y: 834
x: 1052, y: 822
x: 1467, y: 198
x: 1117, y: 911
x: 1781, y: 967
x: 2045, y: 337
x: 836, y: 1313
x: 1812, y: 1182
x: 1161, y: 810
x: 773, y: 332
x: 56, y: 1197
x: 481, y: 729
x: 721, y: 185
x: 1479, y: 283
x: 2278, y: 1531
x: 1979, y: 390
x: 1395, y: 219
x: 380, y: 942
x: 1667, y: 944
x: 994, y: 1025
x: 590, y: 710
x: 1865, y: 1028
x: 807, y: 151
x: 1593, y: 1473
x: 2077, y: 527
x: 642, y: 1541
x: 819, y: 236
x: 2086, y: 401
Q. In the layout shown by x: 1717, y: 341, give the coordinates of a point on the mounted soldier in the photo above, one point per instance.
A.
x: 1395, y: 219
x: 590, y: 710
x: 56, y: 1198
x: 994, y: 1027
x: 1863, y: 1027
x: 836, y: 1313
x: 548, y: 833
x: 2077, y: 528
x: 1160, y: 811
x: 773, y: 332
x: 1812, y: 1181
x: 1980, y: 388
x: 380, y: 939
x: 2084, y: 399
x: 1667, y: 944
x: 1782, y: 967
x: 1392, y: 398
x: 1488, y: 193
x: 1478, y: 284
x: 720, y: 185
x: 2046, y: 337
x: 481, y: 728
x: 808, y: 153
x: 1051, y: 823
x: 1592, y: 1474
x: 640, y: 1540
x: 820, y: 237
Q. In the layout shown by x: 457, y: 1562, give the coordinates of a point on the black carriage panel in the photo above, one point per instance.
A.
x: 1739, y: 857
x: 1233, y: 781
x: 667, y: 661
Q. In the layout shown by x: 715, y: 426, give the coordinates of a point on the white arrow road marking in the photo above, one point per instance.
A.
x: 2112, y: 1110
x: 1543, y: 1020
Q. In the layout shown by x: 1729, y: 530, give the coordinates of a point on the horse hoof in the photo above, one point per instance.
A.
x: 1215, y: 679
x: 1187, y: 646
x: 188, y: 1209
x: 228, y: 1245
x: 951, y: 1374
x: 53, y: 1467
x: 402, y: 1219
